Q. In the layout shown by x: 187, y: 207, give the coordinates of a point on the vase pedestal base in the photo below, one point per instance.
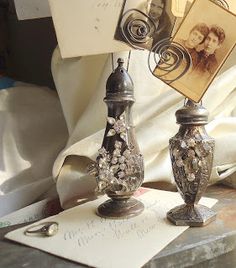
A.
x: 116, y: 209
x: 191, y: 215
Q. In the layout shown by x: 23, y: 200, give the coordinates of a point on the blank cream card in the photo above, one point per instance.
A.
x: 86, y: 27
x: 32, y: 9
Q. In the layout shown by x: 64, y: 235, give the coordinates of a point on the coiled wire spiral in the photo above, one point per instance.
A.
x: 222, y: 3
x: 171, y: 60
x: 137, y: 27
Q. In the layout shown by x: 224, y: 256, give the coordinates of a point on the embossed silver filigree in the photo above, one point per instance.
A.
x: 191, y: 162
x: 191, y: 152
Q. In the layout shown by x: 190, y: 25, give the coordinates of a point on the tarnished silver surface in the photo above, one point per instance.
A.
x: 191, y: 151
x: 191, y: 215
x: 125, y: 208
x: 119, y: 167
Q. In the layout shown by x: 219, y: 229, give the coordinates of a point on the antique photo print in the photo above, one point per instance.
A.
x: 143, y: 23
x: 207, y: 40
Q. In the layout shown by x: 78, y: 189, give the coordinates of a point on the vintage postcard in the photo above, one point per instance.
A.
x: 145, y: 22
x: 86, y: 27
x: 198, y: 50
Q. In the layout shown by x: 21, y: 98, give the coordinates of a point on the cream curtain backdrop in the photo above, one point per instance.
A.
x: 32, y: 133
x: 81, y: 82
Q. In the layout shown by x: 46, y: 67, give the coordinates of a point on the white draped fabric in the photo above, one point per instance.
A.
x: 81, y: 87
x: 34, y: 130
x: 32, y: 133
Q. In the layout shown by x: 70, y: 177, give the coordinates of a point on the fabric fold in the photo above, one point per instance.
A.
x: 32, y: 134
x: 153, y: 113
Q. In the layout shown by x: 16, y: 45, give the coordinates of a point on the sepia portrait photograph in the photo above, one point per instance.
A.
x: 207, y: 41
x: 143, y: 23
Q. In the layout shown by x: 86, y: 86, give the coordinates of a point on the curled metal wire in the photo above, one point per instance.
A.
x: 137, y: 27
x: 128, y: 61
x: 222, y: 3
x: 171, y: 60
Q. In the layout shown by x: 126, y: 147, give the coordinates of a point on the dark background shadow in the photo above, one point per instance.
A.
x: 30, y: 44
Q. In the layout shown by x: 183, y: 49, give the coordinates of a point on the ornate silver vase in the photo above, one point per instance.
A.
x: 191, y: 151
x: 119, y: 167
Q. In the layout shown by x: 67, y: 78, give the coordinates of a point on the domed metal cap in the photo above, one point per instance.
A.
x: 192, y: 114
x: 120, y: 84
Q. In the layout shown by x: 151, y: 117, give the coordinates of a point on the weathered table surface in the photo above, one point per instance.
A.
x: 210, y: 246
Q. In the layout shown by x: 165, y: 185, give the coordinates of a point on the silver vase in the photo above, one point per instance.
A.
x: 191, y: 151
x: 119, y: 167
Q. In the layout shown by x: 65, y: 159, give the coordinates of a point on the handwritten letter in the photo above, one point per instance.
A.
x: 86, y: 238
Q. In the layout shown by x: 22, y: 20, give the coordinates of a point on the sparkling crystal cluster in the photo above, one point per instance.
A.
x: 116, y: 172
x: 190, y: 161
x: 191, y: 151
x: 118, y: 127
